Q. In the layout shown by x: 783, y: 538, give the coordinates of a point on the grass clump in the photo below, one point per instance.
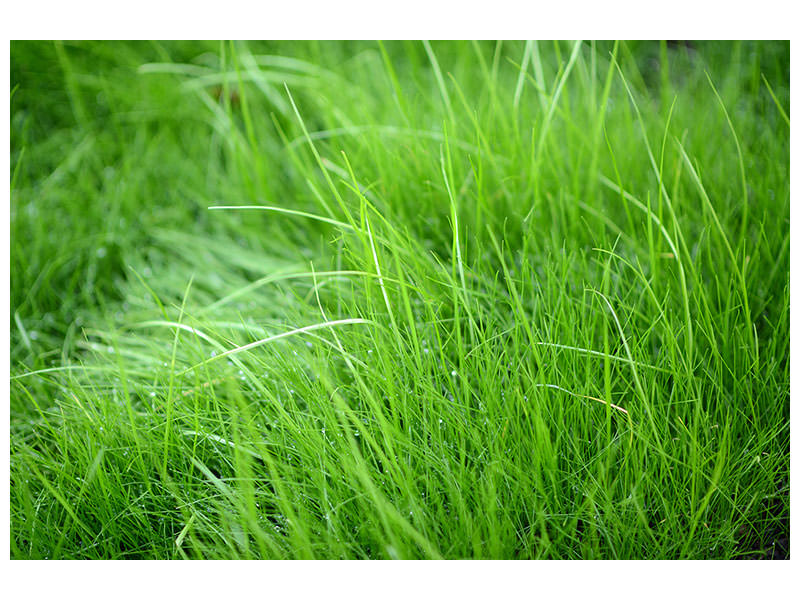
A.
x: 453, y: 300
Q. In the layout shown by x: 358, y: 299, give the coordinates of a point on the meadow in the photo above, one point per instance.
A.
x: 399, y: 300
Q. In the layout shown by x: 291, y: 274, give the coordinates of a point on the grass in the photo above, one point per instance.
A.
x: 451, y: 300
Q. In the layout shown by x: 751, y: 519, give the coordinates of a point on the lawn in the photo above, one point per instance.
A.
x: 351, y: 300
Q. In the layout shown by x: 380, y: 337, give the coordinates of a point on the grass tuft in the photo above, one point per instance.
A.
x: 399, y: 300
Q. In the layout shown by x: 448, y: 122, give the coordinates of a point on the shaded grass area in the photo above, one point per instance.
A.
x: 459, y: 300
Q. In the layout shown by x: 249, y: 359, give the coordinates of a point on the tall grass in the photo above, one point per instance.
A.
x: 399, y: 300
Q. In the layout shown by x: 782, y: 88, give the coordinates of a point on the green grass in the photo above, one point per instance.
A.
x: 478, y: 300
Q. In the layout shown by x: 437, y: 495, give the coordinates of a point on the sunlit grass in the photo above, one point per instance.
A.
x: 399, y: 300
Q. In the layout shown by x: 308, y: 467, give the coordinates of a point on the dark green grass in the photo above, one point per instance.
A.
x: 487, y: 300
